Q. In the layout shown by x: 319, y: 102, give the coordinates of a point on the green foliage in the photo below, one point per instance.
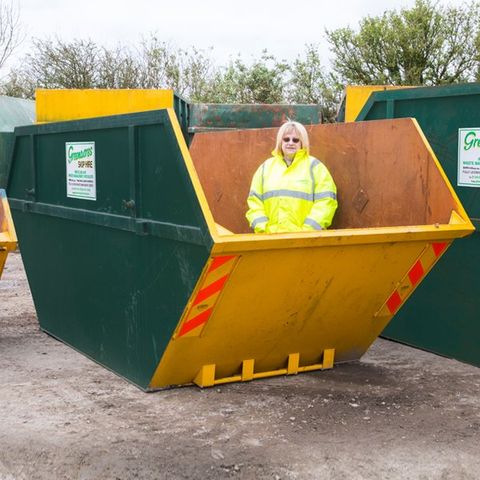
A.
x: 308, y: 80
x: 84, y: 64
x: 116, y: 68
x: 53, y: 63
x: 261, y: 82
x: 188, y: 72
x: 477, y: 46
x: 425, y: 45
x: 310, y: 84
x: 56, y: 64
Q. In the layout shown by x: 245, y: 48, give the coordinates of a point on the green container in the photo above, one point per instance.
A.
x: 208, y: 116
x: 443, y: 314
x: 13, y: 112
x: 145, y: 228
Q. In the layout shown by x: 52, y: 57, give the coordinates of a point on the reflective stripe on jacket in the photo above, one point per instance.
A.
x: 301, y: 197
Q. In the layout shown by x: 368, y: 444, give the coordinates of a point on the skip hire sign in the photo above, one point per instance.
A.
x: 81, y: 182
x: 468, y: 157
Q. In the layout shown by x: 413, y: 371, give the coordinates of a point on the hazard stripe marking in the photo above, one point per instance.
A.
x: 429, y: 256
x: 416, y: 273
x: 195, y: 322
x: 219, y: 261
x: 210, y: 290
x: 211, y: 284
x: 439, y: 248
x: 394, y: 302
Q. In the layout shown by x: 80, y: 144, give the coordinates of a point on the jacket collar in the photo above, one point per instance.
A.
x: 299, y: 155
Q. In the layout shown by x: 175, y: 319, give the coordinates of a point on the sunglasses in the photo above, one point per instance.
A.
x: 293, y: 139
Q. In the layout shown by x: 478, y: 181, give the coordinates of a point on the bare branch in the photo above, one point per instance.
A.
x: 11, y: 32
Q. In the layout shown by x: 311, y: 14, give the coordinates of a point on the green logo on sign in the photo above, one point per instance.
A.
x: 72, y: 156
x: 471, y: 141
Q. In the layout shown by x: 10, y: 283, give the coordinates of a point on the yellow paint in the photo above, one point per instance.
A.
x: 247, y: 370
x: 285, y: 300
x: 222, y: 230
x: 192, y: 172
x: 328, y: 357
x: 206, y: 376
x: 456, y: 216
x: 356, y: 97
x: 8, y: 237
x: 306, y: 300
x: 3, y: 259
x: 230, y: 245
x: 405, y: 288
x: 293, y: 363
x: 60, y: 105
x: 298, y: 302
x: 194, y: 309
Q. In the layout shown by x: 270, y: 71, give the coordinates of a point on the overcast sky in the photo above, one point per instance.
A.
x: 229, y: 26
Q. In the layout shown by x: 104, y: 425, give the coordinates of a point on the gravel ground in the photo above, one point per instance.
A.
x: 399, y: 413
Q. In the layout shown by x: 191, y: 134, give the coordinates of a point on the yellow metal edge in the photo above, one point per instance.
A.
x: 193, y: 175
x: 5, y: 239
x: 328, y: 358
x: 153, y: 384
x: 456, y: 219
x: 11, y: 233
x: 198, y: 287
x: 354, y: 236
x: 206, y: 375
x: 405, y: 294
x: 3, y: 259
x: 356, y: 96
x: 468, y: 225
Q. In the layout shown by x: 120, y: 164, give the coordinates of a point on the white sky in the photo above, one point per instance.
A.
x: 229, y: 26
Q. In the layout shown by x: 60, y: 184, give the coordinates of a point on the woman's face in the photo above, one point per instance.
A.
x: 291, y: 143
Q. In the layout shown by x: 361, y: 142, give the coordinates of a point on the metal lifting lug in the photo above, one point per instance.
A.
x: 128, y: 204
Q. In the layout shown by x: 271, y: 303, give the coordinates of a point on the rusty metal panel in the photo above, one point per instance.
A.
x: 365, y: 186
x: 205, y: 116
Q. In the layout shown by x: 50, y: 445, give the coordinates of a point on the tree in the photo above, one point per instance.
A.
x: 187, y: 71
x: 261, y: 82
x: 118, y: 67
x: 59, y: 64
x: 426, y: 45
x: 55, y: 64
x: 309, y: 83
x: 477, y: 46
x: 11, y: 32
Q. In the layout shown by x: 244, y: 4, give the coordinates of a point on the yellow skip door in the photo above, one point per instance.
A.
x: 8, y: 237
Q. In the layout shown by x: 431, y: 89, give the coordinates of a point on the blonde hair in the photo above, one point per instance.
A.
x: 302, y: 133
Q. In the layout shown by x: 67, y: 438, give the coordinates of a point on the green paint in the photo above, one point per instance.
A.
x: 205, y: 116
x: 471, y: 141
x: 13, y: 112
x: 442, y: 314
x: 108, y: 280
x: 86, y: 152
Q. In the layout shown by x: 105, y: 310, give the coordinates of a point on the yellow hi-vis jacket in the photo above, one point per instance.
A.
x: 301, y: 197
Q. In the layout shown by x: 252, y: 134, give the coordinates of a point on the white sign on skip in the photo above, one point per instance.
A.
x: 81, y: 181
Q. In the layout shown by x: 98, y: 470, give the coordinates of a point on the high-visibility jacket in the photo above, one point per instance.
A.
x: 299, y: 197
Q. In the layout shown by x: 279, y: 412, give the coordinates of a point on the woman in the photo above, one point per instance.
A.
x: 291, y: 191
